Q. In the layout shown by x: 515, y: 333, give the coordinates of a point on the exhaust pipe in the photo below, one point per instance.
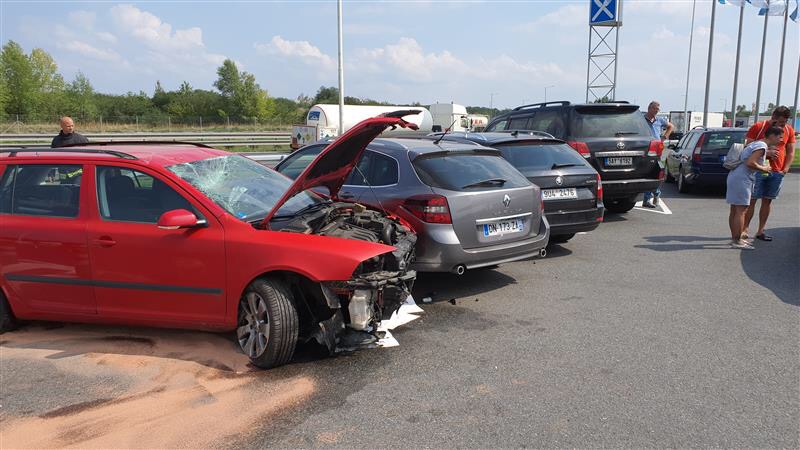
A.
x: 459, y: 270
x: 542, y: 253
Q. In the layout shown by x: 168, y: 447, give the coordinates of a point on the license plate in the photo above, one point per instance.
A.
x: 503, y: 227
x: 556, y: 194
x: 619, y: 161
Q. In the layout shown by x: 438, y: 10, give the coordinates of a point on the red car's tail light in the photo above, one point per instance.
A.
x: 599, y: 189
x: 696, y: 151
x: 656, y: 148
x: 429, y: 208
x: 581, y: 147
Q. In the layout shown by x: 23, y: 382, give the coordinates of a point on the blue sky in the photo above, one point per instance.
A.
x: 404, y: 51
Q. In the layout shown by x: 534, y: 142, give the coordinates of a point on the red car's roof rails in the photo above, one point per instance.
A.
x: 14, y: 151
x: 541, y: 105
x: 160, y: 142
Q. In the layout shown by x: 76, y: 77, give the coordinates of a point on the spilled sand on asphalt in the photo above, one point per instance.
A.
x: 189, y: 389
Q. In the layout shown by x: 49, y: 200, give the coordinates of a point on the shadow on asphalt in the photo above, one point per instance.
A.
x: 613, y: 217
x: 445, y: 286
x: 774, y: 264
x: 682, y: 243
x: 670, y: 190
x: 555, y: 251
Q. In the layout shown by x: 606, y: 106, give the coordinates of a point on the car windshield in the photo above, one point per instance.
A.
x: 533, y: 157
x: 467, y: 171
x: 722, y: 140
x: 241, y: 186
x: 598, y: 122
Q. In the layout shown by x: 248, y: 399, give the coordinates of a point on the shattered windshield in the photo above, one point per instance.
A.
x: 241, y: 186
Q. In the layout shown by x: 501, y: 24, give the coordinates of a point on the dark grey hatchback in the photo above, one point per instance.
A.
x: 571, y: 187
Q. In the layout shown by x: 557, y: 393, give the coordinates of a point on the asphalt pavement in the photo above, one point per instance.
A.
x: 647, y: 332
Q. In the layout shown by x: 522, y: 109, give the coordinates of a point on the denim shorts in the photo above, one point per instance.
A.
x: 769, y: 186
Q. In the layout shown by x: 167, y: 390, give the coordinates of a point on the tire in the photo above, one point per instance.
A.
x: 7, y: 320
x: 620, y: 205
x: 561, y: 238
x: 268, y: 325
x: 683, y: 186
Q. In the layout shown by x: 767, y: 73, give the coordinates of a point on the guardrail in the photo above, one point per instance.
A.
x: 213, y: 139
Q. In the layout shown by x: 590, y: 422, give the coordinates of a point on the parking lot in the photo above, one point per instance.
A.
x: 649, y: 331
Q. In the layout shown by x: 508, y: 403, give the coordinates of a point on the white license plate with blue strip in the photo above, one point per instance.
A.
x: 502, y: 227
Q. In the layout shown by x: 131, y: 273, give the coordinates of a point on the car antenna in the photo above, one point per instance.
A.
x: 436, y: 142
x: 363, y: 177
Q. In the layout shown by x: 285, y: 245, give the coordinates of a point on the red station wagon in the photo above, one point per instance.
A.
x: 183, y: 235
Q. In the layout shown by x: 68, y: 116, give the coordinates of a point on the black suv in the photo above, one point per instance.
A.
x: 613, y: 137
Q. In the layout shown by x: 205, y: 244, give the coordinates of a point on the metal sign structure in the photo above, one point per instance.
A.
x: 605, y: 19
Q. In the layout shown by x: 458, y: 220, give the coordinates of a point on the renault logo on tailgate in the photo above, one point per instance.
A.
x: 506, y: 200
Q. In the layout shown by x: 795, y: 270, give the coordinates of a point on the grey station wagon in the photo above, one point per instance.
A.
x: 469, y: 206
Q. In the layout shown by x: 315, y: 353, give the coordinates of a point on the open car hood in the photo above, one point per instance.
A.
x: 332, y: 166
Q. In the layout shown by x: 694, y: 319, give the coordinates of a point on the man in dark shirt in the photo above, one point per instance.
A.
x: 68, y: 136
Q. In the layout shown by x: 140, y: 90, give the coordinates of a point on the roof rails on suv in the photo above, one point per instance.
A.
x: 541, y: 105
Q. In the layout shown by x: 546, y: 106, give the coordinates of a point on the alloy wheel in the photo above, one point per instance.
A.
x: 253, y: 330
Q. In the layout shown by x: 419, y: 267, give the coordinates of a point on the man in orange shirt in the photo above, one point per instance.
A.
x: 767, y: 187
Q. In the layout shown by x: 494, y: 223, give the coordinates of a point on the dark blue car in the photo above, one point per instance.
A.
x: 696, y: 160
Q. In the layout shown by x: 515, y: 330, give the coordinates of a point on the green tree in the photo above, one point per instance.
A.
x: 17, y: 75
x: 80, y: 95
x: 328, y: 95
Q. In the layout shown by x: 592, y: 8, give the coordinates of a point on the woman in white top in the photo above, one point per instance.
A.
x: 741, y: 180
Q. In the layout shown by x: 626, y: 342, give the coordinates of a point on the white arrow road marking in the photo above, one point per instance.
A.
x: 662, y: 207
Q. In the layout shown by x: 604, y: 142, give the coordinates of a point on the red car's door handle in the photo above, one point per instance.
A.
x: 105, y: 241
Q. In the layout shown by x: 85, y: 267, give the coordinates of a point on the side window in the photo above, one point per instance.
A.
x: 297, y: 162
x: 499, y: 126
x: 691, y: 141
x: 518, y: 123
x: 383, y: 170
x: 51, y: 190
x: 374, y: 169
x: 549, y: 122
x: 131, y: 196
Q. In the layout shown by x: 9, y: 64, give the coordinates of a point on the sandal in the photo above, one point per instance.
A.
x: 763, y: 237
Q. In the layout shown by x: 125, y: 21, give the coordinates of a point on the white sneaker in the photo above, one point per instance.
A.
x: 741, y: 245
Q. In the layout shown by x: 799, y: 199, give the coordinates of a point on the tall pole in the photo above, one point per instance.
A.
x: 708, y: 66
x: 688, y: 70
x: 545, y: 92
x: 341, y: 70
x: 796, y: 92
x: 736, y: 70
x: 761, y: 67
x: 491, y: 99
x: 783, y: 47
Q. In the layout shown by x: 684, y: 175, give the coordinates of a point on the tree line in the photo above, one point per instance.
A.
x: 32, y: 89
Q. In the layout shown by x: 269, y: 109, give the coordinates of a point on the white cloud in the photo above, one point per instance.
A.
x: 663, y: 33
x: 153, y: 31
x: 106, y: 37
x: 571, y: 15
x: 302, y: 50
x: 89, y: 51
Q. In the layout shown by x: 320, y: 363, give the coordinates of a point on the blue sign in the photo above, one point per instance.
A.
x: 603, y: 11
x: 313, y: 115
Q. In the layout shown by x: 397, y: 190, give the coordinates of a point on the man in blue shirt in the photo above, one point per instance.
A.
x: 657, y: 125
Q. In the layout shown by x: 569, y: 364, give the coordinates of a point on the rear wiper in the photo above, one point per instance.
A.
x: 489, y: 182
x: 625, y: 133
x: 558, y: 166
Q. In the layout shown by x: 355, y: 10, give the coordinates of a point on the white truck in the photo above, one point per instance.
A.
x: 322, y: 121
x: 695, y: 120
x: 454, y: 117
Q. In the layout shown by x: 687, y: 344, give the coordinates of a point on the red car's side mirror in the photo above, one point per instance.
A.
x: 179, y: 218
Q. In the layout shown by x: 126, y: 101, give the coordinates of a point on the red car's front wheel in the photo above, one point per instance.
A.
x: 268, y: 325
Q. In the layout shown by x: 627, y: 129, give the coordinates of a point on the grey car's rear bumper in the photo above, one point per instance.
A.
x: 441, y: 251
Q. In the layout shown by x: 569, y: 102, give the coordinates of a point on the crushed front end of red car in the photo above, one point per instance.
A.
x: 378, y: 286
